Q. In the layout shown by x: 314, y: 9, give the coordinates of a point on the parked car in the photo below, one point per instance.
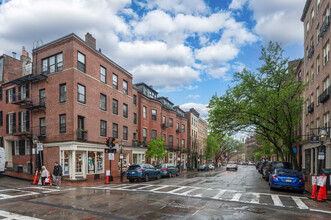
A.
x: 167, y: 169
x: 142, y: 172
x: 287, y: 179
x: 271, y: 166
x: 258, y: 164
x: 251, y: 163
x: 231, y: 165
x: 211, y: 166
x: 260, y: 169
x: 203, y: 167
x: 3, y: 162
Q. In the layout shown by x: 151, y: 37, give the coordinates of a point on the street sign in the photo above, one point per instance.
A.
x: 40, y: 146
x: 111, y: 156
x: 321, y: 181
x: 321, y: 155
x: 108, y: 173
x: 121, y: 156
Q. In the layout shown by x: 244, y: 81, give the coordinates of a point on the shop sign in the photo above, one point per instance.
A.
x: 111, y: 156
x: 321, y: 155
x: 314, y: 139
x: 39, y: 146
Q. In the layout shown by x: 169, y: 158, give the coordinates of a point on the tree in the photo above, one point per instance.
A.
x: 232, y: 147
x: 157, y: 150
x: 267, y: 103
x: 212, y: 147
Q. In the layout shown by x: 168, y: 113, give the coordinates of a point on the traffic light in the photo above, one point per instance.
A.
x: 113, y: 142
x: 107, y: 141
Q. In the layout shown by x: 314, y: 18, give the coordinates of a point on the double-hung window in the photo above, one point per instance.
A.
x: 81, y: 62
x: 23, y: 121
x: 326, y: 53
x: 11, y: 95
x: 23, y: 91
x: 134, y: 99
x: 183, y: 128
x: 103, y: 128
x: 103, y: 74
x: 52, y: 64
x: 11, y: 123
x: 115, y: 81
x: 144, y: 112
x: 62, y: 123
x: 144, y: 134
x: 170, y: 122
x: 154, y: 134
x: 183, y: 143
x: 125, y: 87
x: 125, y: 110
x: 115, y: 130
x: 42, y: 126
x: 115, y: 107
x: 153, y: 114
x: 134, y: 118
x: 103, y: 102
x: 63, y: 93
x: 125, y: 133
x: 81, y: 93
x: 171, y: 140
x: 42, y: 97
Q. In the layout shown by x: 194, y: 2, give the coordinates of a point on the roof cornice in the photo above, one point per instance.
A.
x: 305, y: 10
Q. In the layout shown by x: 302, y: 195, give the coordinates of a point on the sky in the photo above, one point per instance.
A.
x: 188, y: 50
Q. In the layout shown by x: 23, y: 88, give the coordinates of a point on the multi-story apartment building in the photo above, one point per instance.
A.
x: 316, y: 66
x: 74, y: 98
x: 202, y: 138
x: 160, y: 118
x: 192, y: 137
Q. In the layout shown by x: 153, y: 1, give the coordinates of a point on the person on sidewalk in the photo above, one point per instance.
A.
x: 57, y: 174
x: 44, y: 175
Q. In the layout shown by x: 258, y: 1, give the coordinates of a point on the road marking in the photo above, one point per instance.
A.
x: 124, y: 187
x: 255, y: 200
x: 318, y: 210
x: 187, y: 192
x: 10, y: 215
x: 276, y: 200
x: 161, y: 187
x: 236, y: 197
x: 217, y: 196
x: 175, y: 190
x: 143, y: 187
x: 299, y: 203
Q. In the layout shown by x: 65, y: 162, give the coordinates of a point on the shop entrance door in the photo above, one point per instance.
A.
x: 79, y: 166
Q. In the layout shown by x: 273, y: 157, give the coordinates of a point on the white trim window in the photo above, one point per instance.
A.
x: 27, y: 147
x: 17, y: 148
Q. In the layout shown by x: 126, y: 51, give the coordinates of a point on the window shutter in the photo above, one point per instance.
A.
x: 27, y: 90
x: 1, y: 118
x: 22, y: 147
x: 27, y: 120
x: 7, y: 124
x: 14, y: 122
x: 7, y: 96
x: 19, y: 121
x: 13, y: 148
x: 19, y: 93
x: 14, y: 94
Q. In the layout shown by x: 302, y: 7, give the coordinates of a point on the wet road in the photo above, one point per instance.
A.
x: 215, y: 194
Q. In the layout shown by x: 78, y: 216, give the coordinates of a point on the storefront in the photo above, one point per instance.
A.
x: 138, y: 155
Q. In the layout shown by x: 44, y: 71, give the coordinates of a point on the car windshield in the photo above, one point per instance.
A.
x: 231, y: 162
x: 281, y: 165
x: 134, y: 167
x: 292, y: 172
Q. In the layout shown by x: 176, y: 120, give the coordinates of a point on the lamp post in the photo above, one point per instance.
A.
x: 321, y: 153
x: 35, y: 140
x: 121, y: 158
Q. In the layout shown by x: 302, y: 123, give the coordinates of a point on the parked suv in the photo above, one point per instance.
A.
x: 271, y: 166
x: 167, y: 169
x: 142, y: 172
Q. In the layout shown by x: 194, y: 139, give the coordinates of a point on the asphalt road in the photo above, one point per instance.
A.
x: 218, y: 194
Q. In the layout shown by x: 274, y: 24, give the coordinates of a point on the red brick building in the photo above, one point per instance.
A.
x: 68, y: 101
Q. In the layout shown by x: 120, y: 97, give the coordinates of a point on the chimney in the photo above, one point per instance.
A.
x: 23, y: 51
x: 90, y: 40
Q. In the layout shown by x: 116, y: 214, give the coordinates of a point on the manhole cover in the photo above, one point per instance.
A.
x: 256, y: 210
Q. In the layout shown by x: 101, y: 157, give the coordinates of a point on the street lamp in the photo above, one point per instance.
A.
x: 321, y: 153
x: 121, y: 157
x: 35, y: 141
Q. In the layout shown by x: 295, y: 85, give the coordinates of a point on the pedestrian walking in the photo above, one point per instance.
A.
x: 187, y: 166
x: 57, y: 174
x: 44, y: 175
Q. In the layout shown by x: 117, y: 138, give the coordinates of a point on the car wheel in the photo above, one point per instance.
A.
x: 158, y: 176
x: 271, y: 188
x: 146, y: 178
x: 131, y: 180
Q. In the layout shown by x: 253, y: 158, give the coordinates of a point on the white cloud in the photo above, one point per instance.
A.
x: 201, y: 108
x: 190, y: 87
x: 192, y: 96
x: 278, y: 20
x: 237, y: 4
x: 238, y: 66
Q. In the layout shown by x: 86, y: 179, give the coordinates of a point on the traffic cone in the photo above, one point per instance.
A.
x: 35, y: 178
x: 313, y: 194
x: 107, y: 180
x: 324, y: 190
x: 49, y: 178
x: 320, y: 193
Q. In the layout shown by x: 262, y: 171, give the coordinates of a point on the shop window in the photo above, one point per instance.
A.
x: 65, y: 161
x: 95, y: 162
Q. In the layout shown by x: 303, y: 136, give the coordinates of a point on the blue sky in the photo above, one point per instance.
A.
x: 187, y: 49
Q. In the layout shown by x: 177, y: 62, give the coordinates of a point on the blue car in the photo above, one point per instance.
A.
x: 286, y: 179
x: 142, y: 172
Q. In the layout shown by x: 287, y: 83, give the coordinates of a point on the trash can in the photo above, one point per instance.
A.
x: 327, y: 173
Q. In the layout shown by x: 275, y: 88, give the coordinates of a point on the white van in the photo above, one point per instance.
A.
x: 3, y: 162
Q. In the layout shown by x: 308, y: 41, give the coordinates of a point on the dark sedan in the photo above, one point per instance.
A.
x: 167, y: 169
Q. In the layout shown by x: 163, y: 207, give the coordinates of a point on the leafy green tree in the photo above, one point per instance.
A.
x: 157, y: 150
x: 267, y: 103
x: 212, y: 147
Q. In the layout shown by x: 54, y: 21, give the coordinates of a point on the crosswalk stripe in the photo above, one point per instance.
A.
x: 175, y: 190
x: 299, y: 203
x: 10, y: 215
x: 256, y: 199
x: 276, y: 200
x: 217, y: 196
x: 236, y: 197
x: 143, y: 187
x: 162, y: 187
x: 187, y: 192
x: 128, y: 186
